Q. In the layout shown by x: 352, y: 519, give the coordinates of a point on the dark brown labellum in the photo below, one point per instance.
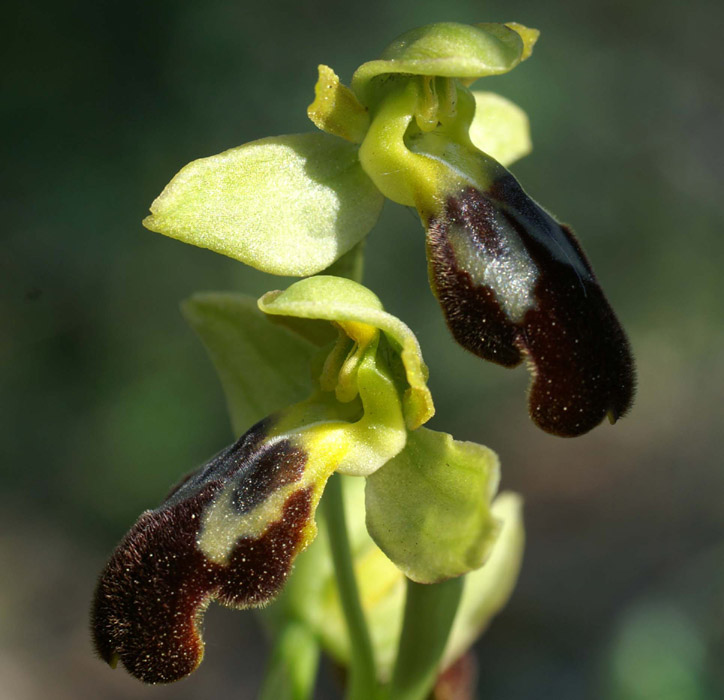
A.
x: 514, y: 284
x: 155, y: 588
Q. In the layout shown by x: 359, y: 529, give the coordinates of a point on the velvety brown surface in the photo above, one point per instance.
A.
x: 152, y: 592
x: 581, y: 362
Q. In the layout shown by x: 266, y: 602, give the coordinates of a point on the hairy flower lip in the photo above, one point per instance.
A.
x: 152, y: 593
x: 514, y: 284
x: 231, y: 530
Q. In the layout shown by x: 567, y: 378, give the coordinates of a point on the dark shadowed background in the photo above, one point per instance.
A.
x: 107, y: 397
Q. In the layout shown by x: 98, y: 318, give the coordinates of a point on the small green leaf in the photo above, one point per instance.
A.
x: 286, y: 205
x: 263, y: 367
x: 342, y: 300
x: 500, y: 128
x: 428, y: 509
x: 487, y: 590
x: 450, y: 50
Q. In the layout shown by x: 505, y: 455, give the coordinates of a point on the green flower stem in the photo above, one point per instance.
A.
x: 292, y: 669
x: 363, y: 677
x: 429, y: 614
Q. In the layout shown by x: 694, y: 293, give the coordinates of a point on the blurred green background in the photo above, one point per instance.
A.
x: 107, y: 397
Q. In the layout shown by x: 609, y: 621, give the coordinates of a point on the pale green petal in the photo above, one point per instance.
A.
x: 263, y: 367
x: 428, y: 509
x: 450, y: 50
x: 527, y: 34
x: 500, y: 128
x: 336, y: 109
x: 487, y: 590
x: 342, y: 300
x: 287, y: 205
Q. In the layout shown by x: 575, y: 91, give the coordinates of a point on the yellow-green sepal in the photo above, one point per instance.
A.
x: 451, y: 50
x: 343, y: 301
x: 500, y: 128
x: 488, y: 589
x: 286, y: 205
x: 263, y: 367
x: 428, y: 509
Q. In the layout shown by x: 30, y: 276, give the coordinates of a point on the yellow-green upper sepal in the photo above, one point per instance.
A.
x: 451, y: 50
x: 343, y: 301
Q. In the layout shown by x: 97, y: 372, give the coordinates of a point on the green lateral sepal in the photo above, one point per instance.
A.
x: 428, y: 509
x: 500, y: 128
x: 263, y: 367
x: 286, y: 205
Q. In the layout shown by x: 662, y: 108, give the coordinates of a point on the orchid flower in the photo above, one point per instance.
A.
x: 231, y: 530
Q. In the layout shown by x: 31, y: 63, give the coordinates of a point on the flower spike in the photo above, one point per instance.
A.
x: 231, y: 530
x: 513, y: 284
